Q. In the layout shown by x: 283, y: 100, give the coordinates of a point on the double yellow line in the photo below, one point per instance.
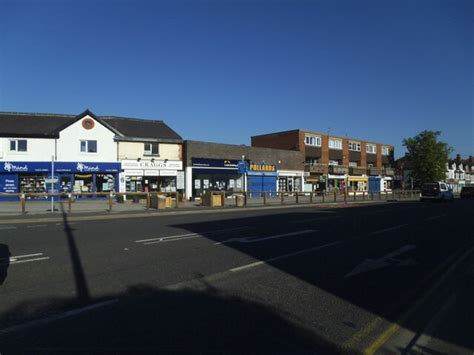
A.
x: 351, y: 346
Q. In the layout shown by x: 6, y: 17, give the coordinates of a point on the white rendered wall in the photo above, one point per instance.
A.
x: 68, y: 145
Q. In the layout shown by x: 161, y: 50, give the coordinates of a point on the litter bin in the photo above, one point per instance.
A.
x: 240, y: 200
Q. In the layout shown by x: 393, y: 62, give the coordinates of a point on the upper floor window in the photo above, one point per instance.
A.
x: 354, y: 146
x: 385, y: 150
x: 312, y: 161
x: 151, y: 148
x: 335, y: 143
x: 353, y: 164
x: 312, y: 140
x: 89, y: 146
x: 333, y: 162
x: 371, y: 148
x: 18, y: 145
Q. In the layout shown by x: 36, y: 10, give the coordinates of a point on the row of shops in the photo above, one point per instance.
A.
x: 203, y: 175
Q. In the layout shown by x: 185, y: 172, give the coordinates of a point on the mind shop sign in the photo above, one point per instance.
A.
x: 60, y: 167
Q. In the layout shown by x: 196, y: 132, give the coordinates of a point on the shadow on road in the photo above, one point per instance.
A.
x: 4, y: 262
x: 79, y: 278
x: 147, y: 318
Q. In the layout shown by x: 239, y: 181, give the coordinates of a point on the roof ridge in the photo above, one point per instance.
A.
x: 130, y: 118
x: 37, y: 114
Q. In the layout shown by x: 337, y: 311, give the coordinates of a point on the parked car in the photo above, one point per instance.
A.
x: 467, y: 192
x: 436, y: 191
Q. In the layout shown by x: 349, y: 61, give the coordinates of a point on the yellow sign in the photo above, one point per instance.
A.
x: 262, y: 167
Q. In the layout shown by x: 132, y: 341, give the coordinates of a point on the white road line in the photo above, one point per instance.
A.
x: 37, y: 226
x: 178, y: 236
x: 25, y: 256
x: 29, y: 260
x: 257, y: 239
x: 315, y: 219
x: 285, y: 256
x: 57, y: 317
x: 163, y: 240
x: 2, y: 228
x: 388, y: 229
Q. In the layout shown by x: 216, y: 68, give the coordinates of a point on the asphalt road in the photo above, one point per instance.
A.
x: 306, y: 279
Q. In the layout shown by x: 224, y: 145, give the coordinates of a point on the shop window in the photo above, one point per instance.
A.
x: 88, y: 146
x: 18, y: 145
x: 335, y: 143
x: 32, y: 183
x: 151, y: 149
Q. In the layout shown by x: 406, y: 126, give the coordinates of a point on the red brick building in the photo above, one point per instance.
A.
x: 333, y: 162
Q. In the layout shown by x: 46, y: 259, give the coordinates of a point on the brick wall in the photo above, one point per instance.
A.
x: 290, y: 140
x: 290, y: 160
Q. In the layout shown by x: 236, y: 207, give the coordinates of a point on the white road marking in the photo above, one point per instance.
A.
x: 316, y: 219
x: 435, y: 217
x: 19, y: 259
x: 57, y: 317
x: 2, y: 228
x: 384, y: 261
x: 29, y: 260
x: 187, y: 235
x: 37, y: 226
x: 257, y: 239
x: 389, y: 229
x: 285, y: 256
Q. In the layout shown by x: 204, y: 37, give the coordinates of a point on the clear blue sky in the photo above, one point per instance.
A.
x: 222, y: 70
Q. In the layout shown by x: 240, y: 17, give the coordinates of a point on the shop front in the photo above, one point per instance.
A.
x: 261, y: 178
x: 357, y: 183
x: 151, y: 176
x: 290, y: 181
x: 36, y: 177
x: 214, y: 175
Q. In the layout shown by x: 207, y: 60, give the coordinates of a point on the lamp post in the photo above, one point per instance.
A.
x: 243, y: 175
x: 52, y: 183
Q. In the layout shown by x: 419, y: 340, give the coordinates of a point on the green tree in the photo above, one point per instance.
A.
x: 428, y: 156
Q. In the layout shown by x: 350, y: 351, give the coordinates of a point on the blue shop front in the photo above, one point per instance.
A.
x: 36, y: 177
x: 261, y: 178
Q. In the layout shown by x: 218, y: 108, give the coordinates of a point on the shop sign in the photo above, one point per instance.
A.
x: 153, y: 165
x: 214, y: 163
x: 262, y: 167
x: 180, y: 180
x: 152, y: 172
x: 60, y: 167
x: 8, y: 184
x: 168, y: 173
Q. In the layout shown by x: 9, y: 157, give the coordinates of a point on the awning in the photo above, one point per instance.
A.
x: 358, y: 178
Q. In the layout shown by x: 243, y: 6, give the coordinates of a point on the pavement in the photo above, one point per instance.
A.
x: 372, y: 278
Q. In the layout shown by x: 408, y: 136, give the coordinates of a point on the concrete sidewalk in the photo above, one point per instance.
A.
x: 123, y: 211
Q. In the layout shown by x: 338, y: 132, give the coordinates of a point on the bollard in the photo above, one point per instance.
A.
x: 324, y: 195
x: 311, y: 197
x: 282, y: 198
x: 371, y: 196
x: 297, y: 199
x: 264, y: 198
x: 23, y: 203
x: 345, y: 196
x: 110, y: 202
x: 335, y: 197
x: 245, y: 199
x: 363, y: 195
x: 69, y: 203
x: 354, y: 196
x: 177, y: 198
x: 380, y: 195
x: 148, y: 201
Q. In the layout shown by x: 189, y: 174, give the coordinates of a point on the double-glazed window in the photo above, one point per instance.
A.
x: 385, y: 150
x: 333, y: 162
x: 88, y: 146
x: 335, y: 143
x: 354, y: 146
x: 18, y: 145
x: 151, y: 149
x: 371, y: 148
x: 353, y: 164
x: 312, y: 140
x: 312, y: 161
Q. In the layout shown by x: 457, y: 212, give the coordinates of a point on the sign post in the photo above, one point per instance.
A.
x: 52, y: 183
